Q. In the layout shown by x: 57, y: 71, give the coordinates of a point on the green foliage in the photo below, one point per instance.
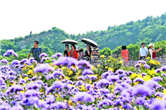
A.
x: 147, y: 30
x: 106, y: 51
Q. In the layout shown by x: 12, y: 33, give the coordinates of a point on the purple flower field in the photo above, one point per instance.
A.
x: 64, y: 83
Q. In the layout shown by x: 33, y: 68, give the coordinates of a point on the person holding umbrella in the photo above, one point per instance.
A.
x: 66, y: 51
x: 89, y: 43
x: 88, y: 52
x: 73, y: 53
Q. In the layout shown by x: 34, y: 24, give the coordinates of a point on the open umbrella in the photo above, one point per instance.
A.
x: 69, y: 41
x: 89, y: 42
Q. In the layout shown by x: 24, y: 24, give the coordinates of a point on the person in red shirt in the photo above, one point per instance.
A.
x: 73, y: 52
x: 125, y: 55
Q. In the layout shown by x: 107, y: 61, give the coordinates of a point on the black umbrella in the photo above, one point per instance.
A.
x: 69, y: 41
x: 89, y: 42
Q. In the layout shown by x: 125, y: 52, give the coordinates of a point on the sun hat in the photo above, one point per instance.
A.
x: 151, y: 45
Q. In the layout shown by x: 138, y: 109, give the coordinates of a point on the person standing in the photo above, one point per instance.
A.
x: 143, y: 52
x: 125, y: 55
x: 66, y: 51
x: 36, y: 51
x: 88, y: 53
x: 95, y: 53
x: 80, y: 52
x: 152, y: 51
x: 73, y: 53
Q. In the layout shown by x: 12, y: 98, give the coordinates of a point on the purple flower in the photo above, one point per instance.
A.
x: 118, y: 102
x: 49, y: 76
x: 44, y: 59
x: 33, y: 85
x: 157, y: 105
x: 4, y: 61
x: 127, y: 106
x: 87, y: 72
x: 10, y: 52
x: 163, y: 68
x: 151, y: 84
x: 50, y: 99
x: 14, y: 89
x: 57, y: 55
x: 67, y: 87
x: 93, y: 77
x: 15, y: 62
x: 120, y: 71
x: 42, y: 104
x: 57, y: 85
x: 43, y: 68
x: 104, y: 91
x: 146, y: 66
x: 31, y: 93
x: 11, y: 72
x: 72, y: 68
x: 137, y: 65
x: 83, y: 96
x: 112, y: 78
x: 43, y: 55
x: 130, y: 73
x: 160, y: 94
x: 58, y: 73
x: 143, y: 74
x: 140, y: 100
x: 105, y: 102
x: 66, y: 61
x: 142, y: 90
x: 139, y: 80
x: 103, y: 83
x: 24, y: 60
x: 81, y: 78
x: 158, y: 70
x: 83, y: 64
x: 59, y: 105
x: 142, y: 62
x: 104, y: 75
x: 31, y: 60
x: 21, y: 81
x: 128, y: 81
x: 157, y: 78
x: 79, y: 83
x: 163, y: 74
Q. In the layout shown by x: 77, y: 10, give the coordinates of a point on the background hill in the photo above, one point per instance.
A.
x: 150, y: 29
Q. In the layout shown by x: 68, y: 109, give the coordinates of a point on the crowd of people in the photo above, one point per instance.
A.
x: 91, y: 54
x: 78, y: 53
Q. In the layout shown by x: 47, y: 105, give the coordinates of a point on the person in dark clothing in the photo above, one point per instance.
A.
x: 66, y: 51
x: 88, y: 52
x: 36, y: 51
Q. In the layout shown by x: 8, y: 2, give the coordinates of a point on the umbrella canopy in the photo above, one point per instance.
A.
x: 69, y: 41
x: 89, y: 42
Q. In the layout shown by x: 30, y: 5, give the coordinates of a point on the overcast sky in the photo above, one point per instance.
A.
x: 19, y: 17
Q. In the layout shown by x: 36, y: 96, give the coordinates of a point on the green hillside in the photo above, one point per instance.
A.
x: 150, y: 29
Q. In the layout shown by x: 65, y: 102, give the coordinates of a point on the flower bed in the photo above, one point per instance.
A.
x: 65, y: 83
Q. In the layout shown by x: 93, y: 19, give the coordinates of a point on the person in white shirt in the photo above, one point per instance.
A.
x: 152, y: 51
x: 143, y: 52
